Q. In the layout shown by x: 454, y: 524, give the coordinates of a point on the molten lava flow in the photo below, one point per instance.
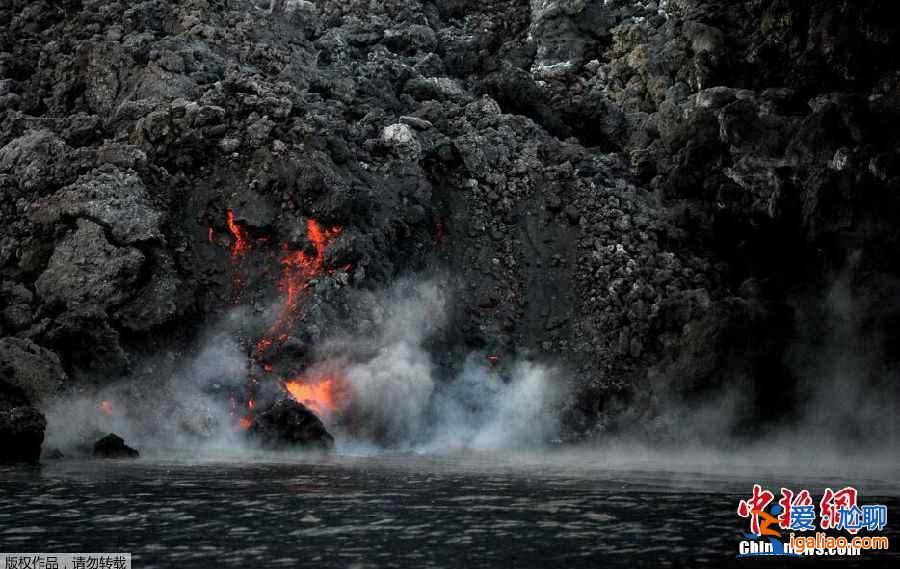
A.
x: 241, y: 240
x: 240, y: 244
x: 321, y: 396
x: 106, y: 407
x: 297, y: 269
x: 439, y: 232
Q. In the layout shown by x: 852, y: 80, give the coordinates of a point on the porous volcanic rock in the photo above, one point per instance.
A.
x: 642, y: 191
x: 21, y: 426
x: 86, y: 270
x: 287, y: 424
x: 35, y: 370
x: 113, y: 446
x: 109, y: 196
x: 29, y: 375
x: 53, y: 454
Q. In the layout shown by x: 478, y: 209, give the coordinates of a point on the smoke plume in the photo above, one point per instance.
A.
x: 397, y: 400
x: 843, y: 401
x: 390, y: 394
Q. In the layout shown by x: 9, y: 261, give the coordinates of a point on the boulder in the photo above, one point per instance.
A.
x: 31, y: 368
x: 21, y: 426
x: 115, y: 198
x: 22, y: 431
x: 53, y: 454
x: 434, y: 88
x: 87, y: 342
x: 113, y: 446
x: 157, y: 301
x: 86, y: 270
x: 288, y: 423
x: 37, y: 160
x: 402, y: 139
x: 17, y: 312
x: 564, y: 29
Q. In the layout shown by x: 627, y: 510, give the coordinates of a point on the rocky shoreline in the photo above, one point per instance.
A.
x: 649, y: 193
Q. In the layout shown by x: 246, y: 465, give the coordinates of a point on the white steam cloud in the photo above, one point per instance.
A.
x: 846, y: 400
x: 479, y: 410
x: 179, y: 402
x: 398, y: 402
x: 171, y: 403
x: 851, y: 396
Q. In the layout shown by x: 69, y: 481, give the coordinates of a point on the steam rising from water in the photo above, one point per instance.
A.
x: 850, y: 396
x: 847, y: 397
x: 394, y: 400
x: 398, y: 402
x: 184, y: 410
x: 400, y: 399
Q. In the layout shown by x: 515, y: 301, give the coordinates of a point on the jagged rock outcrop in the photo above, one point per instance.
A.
x: 21, y: 428
x: 113, y: 446
x: 288, y: 424
x: 34, y: 370
x: 29, y: 376
x: 86, y: 270
x: 108, y: 196
x: 21, y: 425
x: 641, y: 191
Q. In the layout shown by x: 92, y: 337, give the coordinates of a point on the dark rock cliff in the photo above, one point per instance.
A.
x: 649, y: 193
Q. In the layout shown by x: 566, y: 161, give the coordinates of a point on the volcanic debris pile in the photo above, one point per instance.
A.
x: 639, y: 190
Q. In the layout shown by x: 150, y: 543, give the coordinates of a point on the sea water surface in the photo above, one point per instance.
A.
x: 465, y: 510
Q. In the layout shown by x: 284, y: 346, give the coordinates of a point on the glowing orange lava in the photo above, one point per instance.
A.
x: 320, y: 396
x: 297, y: 269
x: 106, y: 407
x: 241, y: 241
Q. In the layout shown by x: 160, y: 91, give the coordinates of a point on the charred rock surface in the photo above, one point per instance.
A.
x: 21, y: 426
x: 52, y: 454
x: 640, y: 191
x: 36, y: 371
x: 289, y: 424
x: 29, y: 375
x: 113, y: 446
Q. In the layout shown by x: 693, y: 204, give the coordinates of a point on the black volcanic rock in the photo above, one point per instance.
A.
x: 113, y: 446
x: 22, y: 433
x: 21, y: 426
x: 87, y: 270
x: 53, y: 454
x: 29, y: 374
x: 35, y: 370
x: 288, y: 423
x: 597, y: 177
